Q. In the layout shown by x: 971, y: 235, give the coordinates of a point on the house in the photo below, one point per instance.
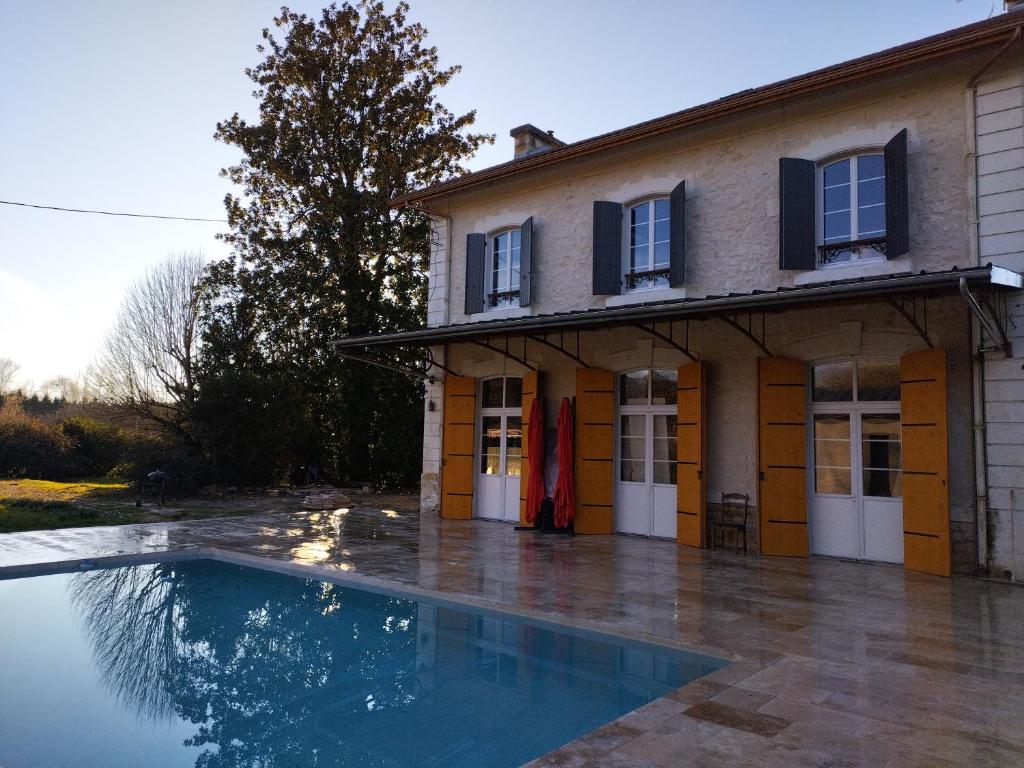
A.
x: 808, y: 293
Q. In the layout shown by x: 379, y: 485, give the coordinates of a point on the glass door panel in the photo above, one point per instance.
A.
x: 881, y: 455
x: 832, y: 466
x: 513, y: 445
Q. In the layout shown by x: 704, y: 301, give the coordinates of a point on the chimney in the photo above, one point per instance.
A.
x: 531, y: 140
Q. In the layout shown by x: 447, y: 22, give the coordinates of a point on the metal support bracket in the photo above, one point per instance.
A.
x: 911, y: 315
x: 559, y: 347
x: 396, y: 367
x: 988, y: 319
x: 748, y: 330
x: 505, y: 352
x: 653, y: 331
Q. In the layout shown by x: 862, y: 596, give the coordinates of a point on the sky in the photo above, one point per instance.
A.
x: 113, y: 104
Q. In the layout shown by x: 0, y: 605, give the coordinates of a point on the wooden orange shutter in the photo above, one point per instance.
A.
x: 691, y: 493
x: 457, y: 451
x: 782, y: 456
x: 925, y: 462
x: 531, y: 391
x: 595, y: 449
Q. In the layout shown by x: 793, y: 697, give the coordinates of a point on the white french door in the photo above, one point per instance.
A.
x: 499, y: 460
x: 645, y: 488
x: 856, y: 483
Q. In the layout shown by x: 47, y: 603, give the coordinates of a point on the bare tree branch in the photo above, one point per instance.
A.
x: 148, y: 360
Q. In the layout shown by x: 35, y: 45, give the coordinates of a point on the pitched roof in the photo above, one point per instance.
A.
x: 995, y: 30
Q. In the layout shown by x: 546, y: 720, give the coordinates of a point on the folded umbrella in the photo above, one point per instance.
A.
x: 535, y: 462
x: 565, y: 486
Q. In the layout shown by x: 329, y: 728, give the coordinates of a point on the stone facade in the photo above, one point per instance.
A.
x: 966, y: 188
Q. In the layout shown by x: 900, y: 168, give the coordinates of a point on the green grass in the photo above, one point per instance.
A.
x: 29, y: 515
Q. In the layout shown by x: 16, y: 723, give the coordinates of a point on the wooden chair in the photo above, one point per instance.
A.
x: 731, y: 516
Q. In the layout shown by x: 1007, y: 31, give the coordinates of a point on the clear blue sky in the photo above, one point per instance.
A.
x: 113, y: 105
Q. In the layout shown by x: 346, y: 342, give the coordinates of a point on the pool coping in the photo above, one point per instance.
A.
x: 399, y: 589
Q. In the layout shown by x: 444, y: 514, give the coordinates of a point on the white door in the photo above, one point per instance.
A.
x: 856, y: 483
x: 501, y: 448
x: 645, y: 487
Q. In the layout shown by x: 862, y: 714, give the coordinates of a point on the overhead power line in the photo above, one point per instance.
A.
x: 112, y: 213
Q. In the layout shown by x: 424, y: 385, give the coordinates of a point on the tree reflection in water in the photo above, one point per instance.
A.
x: 270, y: 669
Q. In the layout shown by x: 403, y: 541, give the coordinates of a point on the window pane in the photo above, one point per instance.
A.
x: 880, y: 482
x: 837, y: 227
x: 661, y: 231
x: 871, y: 221
x: 631, y: 448
x: 492, y: 393
x: 828, y: 426
x: 513, y: 445
x: 832, y: 480
x: 515, y: 236
x: 638, y: 215
x: 663, y: 386
x: 513, y: 392
x: 661, y: 209
x: 880, y: 426
x: 633, y: 388
x: 837, y: 173
x: 878, y: 380
x: 661, y: 256
x: 837, y: 198
x: 490, y: 445
x: 664, y: 438
x: 665, y: 472
x: 833, y: 382
x: 500, y: 281
x: 631, y: 471
x: 638, y: 235
x: 638, y: 259
x: 870, y: 166
x: 632, y: 426
x: 832, y: 454
x: 871, y: 192
x: 881, y: 455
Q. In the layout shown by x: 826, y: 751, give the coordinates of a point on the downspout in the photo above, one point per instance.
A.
x: 975, y: 333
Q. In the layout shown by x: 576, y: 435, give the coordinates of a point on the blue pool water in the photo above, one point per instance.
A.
x: 207, y: 664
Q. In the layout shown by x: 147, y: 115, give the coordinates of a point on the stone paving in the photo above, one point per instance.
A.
x: 834, y: 663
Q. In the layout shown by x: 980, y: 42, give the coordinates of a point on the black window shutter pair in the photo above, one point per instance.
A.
x: 798, y: 211
x: 476, y: 268
x: 608, y: 243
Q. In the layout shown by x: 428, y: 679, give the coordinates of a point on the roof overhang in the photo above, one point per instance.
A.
x: 998, y: 29
x: 951, y: 282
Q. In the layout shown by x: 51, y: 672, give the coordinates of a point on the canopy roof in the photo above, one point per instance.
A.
x: 865, y: 289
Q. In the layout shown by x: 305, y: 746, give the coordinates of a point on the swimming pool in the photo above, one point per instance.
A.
x: 211, y: 664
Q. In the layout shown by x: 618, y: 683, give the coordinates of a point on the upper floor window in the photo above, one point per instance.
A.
x: 503, y: 285
x: 648, y: 264
x: 853, y: 209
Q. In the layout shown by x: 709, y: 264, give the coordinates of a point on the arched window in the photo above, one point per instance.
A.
x: 647, y: 246
x: 852, y: 208
x: 503, y: 264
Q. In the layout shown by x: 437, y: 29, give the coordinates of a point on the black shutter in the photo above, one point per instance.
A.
x: 526, y: 263
x: 897, y: 197
x: 677, y: 235
x: 476, y: 256
x: 607, y: 248
x: 796, y: 214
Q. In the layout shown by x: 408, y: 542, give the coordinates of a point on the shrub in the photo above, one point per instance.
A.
x: 97, y: 447
x: 29, y: 447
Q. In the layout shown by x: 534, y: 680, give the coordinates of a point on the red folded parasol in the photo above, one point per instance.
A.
x: 565, y: 487
x: 535, y: 482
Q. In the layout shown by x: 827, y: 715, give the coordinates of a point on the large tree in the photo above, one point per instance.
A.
x: 147, y: 364
x: 349, y: 118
